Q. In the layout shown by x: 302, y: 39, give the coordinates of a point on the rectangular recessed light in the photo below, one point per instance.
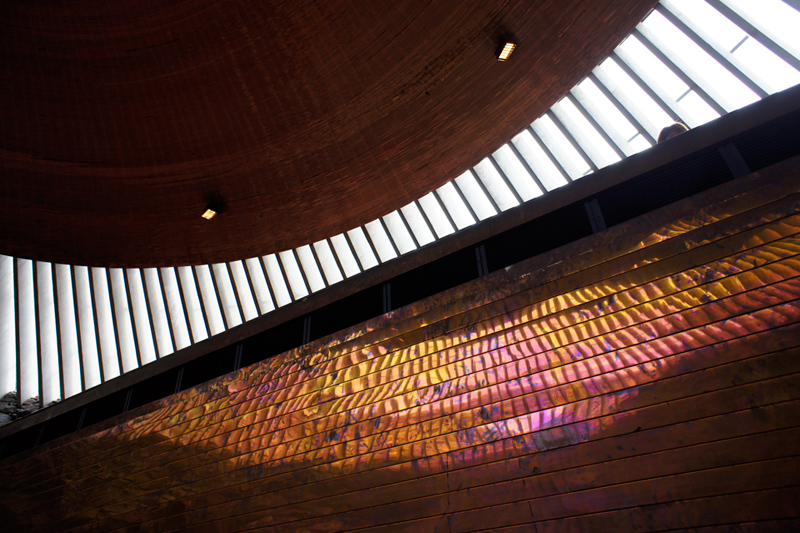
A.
x: 209, y: 214
x: 505, y: 51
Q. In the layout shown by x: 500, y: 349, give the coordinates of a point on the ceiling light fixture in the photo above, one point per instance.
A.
x: 209, y: 213
x: 504, y: 50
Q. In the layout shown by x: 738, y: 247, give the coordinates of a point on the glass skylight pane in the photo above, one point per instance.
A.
x: 348, y: 261
x: 68, y: 329
x: 124, y: 325
x: 192, y: 302
x: 147, y: 349
x: 381, y: 240
x: 475, y: 196
x: 605, y: 113
x: 436, y: 215
x: 29, y: 365
x: 177, y: 318
x: 276, y: 280
x: 516, y: 173
x: 328, y: 262
x: 503, y: 197
x: 585, y: 134
x: 243, y: 290
x: 105, y: 324
x: 48, y: 343
x: 89, y: 348
x: 158, y: 312
x: 717, y: 81
x: 455, y: 205
x: 309, y: 266
x: 561, y: 148
x: 418, y: 224
x: 363, y: 248
x: 225, y: 287
x: 260, y: 286
x: 397, y: 228
x: 751, y: 57
x: 209, y: 300
x: 295, y: 277
x: 774, y: 18
x: 683, y: 100
x: 646, y: 111
x: 547, y: 172
x: 8, y: 326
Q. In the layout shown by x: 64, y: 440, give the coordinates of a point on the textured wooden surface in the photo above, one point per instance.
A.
x: 646, y: 378
x: 121, y: 120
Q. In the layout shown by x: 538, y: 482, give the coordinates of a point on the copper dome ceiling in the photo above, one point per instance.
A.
x: 122, y: 120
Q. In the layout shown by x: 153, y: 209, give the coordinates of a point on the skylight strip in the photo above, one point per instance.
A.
x: 318, y: 266
x: 381, y: 241
x: 760, y: 33
x: 371, y: 244
x: 531, y: 155
x: 399, y: 232
x: 8, y: 326
x: 277, y: 281
x: 499, y: 200
x: 256, y: 283
x: 517, y: 173
x: 426, y: 219
x: 474, y: 196
x: 66, y: 302
x: 437, y: 196
x: 192, y: 328
x: 237, y: 291
x: 226, y: 293
x: 303, y: 274
x: 26, y: 331
x: 434, y: 213
x: 174, y: 305
x: 367, y: 257
x: 619, y: 104
x: 645, y: 37
x: 595, y: 126
x: 243, y: 291
x: 725, y: 59
x: 109, y: 351
x: 142, y: 318
x: 36, y: 331
x: 421, y: 231
x: 165, y: 339
x: 95, y: 325
x: 124, y: 331
x: 334, y: 273
x: 191, y: 304
x: 345, y: 255
x: 258, y: 275
x: 648, y: 107
x: 571, y: 139
x: 457, y: 205
x: 211, y: 300
x: 291, y: 271
x: 219, y: 305
x: 89, y: 340
x: 581, y: 132
x: 551, y: 157
x: 311, y: 269
x: 201, y: 303
x: 62, y: 378
x: 49, y: 378
x: 628, y: 138
x: 688, y: 107
x: 132, y: 318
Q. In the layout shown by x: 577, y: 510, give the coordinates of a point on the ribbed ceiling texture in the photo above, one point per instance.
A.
x: 123, y: 120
